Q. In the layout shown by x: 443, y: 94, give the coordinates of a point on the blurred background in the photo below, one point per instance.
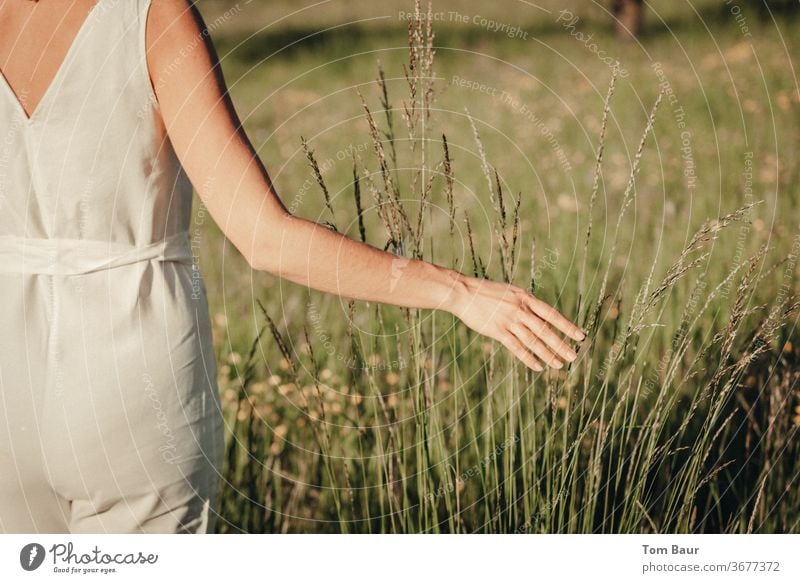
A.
x: 362, y: 447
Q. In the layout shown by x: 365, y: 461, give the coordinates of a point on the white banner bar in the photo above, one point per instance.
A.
x: 400, y: 558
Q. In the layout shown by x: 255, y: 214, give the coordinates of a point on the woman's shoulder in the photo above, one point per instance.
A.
x: 176, y: 35
x: 183, y: 64
x: 173, y: 16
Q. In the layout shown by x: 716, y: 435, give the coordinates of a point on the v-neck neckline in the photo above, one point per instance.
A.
x: 56, y: 76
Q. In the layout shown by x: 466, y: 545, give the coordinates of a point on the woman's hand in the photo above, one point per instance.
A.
x: 520, y: 321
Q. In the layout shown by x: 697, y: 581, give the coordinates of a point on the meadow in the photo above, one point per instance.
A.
x: 655, y: 202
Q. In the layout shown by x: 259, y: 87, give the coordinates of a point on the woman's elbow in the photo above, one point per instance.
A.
x: 267, y: 243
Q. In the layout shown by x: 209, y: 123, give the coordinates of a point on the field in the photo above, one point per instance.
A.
x: 670, y: 234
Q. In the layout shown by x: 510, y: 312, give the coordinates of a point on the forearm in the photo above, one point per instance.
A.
x: 310, y: 254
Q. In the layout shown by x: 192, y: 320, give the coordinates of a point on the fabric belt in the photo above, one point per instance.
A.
x: 80, y: 256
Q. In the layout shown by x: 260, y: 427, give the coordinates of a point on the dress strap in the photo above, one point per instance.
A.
x: 79, y: 256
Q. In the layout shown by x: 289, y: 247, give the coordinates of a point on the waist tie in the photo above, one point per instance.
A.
x: 80, y: 256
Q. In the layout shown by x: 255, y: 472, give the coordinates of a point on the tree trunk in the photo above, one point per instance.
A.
x: 627, y: 18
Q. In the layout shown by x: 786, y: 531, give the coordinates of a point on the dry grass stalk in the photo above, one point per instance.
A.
x: 427, y: 65
x: 423, y: 204
x: 312, y: 161
x: 515, y: 235
x: 477, y: 265
x: 387, y: 108
x: 419, y: 72
x: 496, y: 198
x: 482, y: 154
x: 362, y: 230
x: 382, y: 207
x: 626, y: 200
x: 448, y: 175
x: 390, y: 188
x: 596, y: 182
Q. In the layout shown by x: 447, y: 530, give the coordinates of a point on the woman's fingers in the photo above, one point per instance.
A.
x: 522, y: 322
x: 550, y: 314
x: 557, y: 344
x: 522, y: 353
x: 533, y: 343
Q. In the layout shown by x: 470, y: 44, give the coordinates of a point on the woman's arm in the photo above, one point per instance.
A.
x: 235, y: 187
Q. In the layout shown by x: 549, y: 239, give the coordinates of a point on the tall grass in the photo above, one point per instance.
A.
x: 678, y: 415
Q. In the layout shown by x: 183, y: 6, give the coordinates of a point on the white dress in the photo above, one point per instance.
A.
x: 110, y: 418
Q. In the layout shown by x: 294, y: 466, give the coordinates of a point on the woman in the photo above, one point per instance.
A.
x: 111, y: 110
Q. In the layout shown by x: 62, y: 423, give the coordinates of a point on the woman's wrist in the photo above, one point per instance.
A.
x: 457, y: 294
x: 434, y: 286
